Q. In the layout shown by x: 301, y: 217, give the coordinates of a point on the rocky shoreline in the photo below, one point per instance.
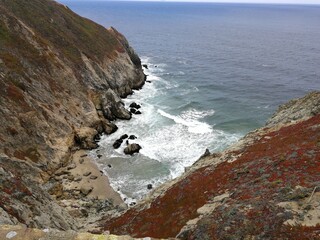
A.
x: 269, y: 176
x: 62, y: 78
x: 58, y: 95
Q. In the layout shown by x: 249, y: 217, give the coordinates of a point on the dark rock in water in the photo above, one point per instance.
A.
x: 132, y: 148
x: 135, y: 105
x: 127, y: 142
x: 145, y: 77
x: 124, y: 136
x: 109, y: 165
x: 206, y: 153
x: 132, y: 110
x: 149, y: 186
x: 145, y: 66
x: 132, y: 204
x: 132, y: 137
x: 148, y: 81
x: 155, y: 66
x: 117, y: 143
x: 99, y: 155
x: 138, y: 112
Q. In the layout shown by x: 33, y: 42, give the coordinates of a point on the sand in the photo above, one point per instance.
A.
x: 87, y: 177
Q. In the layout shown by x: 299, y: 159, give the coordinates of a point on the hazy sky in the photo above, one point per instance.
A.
x: 233, y: 1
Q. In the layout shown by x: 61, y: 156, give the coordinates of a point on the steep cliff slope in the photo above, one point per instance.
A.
x: 61, y: 77
x: 267, y: 186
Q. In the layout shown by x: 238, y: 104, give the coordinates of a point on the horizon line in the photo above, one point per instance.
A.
x: 194, y: 1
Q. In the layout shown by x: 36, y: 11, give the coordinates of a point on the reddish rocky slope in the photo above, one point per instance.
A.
x: 265, y: 187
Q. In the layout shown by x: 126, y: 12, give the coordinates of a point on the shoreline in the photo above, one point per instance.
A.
x: 88, y: 178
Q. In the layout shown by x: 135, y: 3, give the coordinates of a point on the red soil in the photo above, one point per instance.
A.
x: 265, y: 173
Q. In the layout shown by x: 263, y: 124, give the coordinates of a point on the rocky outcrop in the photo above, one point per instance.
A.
x: 264, y: 187
x: 112, y: 107
x: 24, y: 200
x: 132, y: 148
x: 61, y: 79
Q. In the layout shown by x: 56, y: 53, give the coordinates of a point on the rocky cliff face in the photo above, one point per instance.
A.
x: 267, y: 186
x: 61, y: 77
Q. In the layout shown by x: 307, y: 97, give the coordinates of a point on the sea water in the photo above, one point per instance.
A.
x: 217, y: 71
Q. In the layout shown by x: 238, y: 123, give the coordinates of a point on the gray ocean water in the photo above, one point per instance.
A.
x: 217, y: 71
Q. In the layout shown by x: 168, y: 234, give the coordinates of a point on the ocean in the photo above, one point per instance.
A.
x: 217, y: 71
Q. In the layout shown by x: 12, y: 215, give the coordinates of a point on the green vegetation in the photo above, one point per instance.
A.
x: 65, y: 30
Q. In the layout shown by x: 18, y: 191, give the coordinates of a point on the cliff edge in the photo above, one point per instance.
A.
x: 61, y: 79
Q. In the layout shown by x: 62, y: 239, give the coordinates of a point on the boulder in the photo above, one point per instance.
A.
x: 109, y: 127
x: 132, y: 148
x: 132, y: 110
x: 135, y: 105
x: 123, y: 137
x: 149, y: 186
x: 145, y: 66
x: 132, y: 137
x: 138, y: 112
x: 113, y: 108
x: 85, y: 138
x: 117, y: 143
x: 85, y: 190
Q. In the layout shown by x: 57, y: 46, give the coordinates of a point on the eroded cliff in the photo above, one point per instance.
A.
x: 61, y: 77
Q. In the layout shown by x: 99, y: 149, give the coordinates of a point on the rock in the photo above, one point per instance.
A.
x: 148, y: 81
x: 117, y: 143
x: 135, y: 105
x: 109, y: 127
x: 149, y: 186
x: 132, y: 148
x: 132, y: 110
x: 71, y: 178
x: 109, y: 165
x: 71, y: 166
x: 63, y: 172
x: 86, y: 190
x: 86, y: 174
x: 145, y: 66
x: 97, y: 138
x: 206, y: 153
x: 99, y: 155
x: 124, y: 136
x: 93, y: 177
x: 85, y: 138
x: 132, y: 137
x: 113, y: 108
x: 138, y: 112
x: 78, y: 179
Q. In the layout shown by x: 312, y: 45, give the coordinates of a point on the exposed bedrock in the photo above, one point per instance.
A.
x: 61, y: 82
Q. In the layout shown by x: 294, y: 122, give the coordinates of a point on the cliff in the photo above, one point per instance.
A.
x: 267, y: 186
x: 61, y: 79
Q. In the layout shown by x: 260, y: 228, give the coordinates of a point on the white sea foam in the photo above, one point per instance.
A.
x: 191, y: 123
x: 170, y: 142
